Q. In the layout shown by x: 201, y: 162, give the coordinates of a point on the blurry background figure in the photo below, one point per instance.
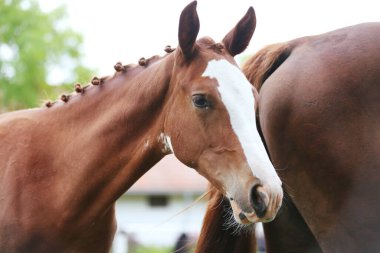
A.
x: 182, y: 244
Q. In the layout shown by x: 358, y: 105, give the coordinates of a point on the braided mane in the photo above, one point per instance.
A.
x: 119, y: 70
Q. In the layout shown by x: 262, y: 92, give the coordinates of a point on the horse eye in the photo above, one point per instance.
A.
x: 200, y: 101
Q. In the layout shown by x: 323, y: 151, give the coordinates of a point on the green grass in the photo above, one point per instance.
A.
x: 147, y: 249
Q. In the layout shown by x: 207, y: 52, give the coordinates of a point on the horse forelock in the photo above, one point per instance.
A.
x: 206, y: 41
x: 210, y: 44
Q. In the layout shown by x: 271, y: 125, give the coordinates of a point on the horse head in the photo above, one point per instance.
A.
x: 210, y: 121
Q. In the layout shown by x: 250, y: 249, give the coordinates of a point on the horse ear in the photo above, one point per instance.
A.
x: 188, y: 29
x: 237, y: 40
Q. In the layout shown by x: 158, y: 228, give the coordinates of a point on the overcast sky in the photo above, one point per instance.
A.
x: 117, y: 30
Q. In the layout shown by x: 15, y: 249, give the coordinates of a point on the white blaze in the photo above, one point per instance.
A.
x: 237, y: 95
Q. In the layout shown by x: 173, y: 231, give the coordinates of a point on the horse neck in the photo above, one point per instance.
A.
x: 111, y: 135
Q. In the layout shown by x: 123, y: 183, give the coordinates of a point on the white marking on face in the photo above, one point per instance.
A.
x: 237, y: 95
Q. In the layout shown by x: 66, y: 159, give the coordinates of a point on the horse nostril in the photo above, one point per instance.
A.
x: 258, y: 201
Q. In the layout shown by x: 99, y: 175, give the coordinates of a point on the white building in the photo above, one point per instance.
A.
x: 148, y: 212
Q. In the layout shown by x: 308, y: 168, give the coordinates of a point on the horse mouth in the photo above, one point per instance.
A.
x: 246, y: 217
x: 249, y: 218
x: 242, y: 217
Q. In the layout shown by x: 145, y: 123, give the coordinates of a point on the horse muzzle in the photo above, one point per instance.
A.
x: 263, y: 205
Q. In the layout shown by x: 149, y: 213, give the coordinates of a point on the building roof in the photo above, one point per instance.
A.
x: 169, y: 176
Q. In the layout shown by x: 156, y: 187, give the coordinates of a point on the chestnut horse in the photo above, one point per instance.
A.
x: 319, y: 112
x: 62, y: 167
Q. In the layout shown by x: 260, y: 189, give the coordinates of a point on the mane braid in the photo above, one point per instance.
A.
x: 119, y: 69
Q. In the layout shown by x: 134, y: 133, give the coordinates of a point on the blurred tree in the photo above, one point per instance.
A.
x: 33, y: 46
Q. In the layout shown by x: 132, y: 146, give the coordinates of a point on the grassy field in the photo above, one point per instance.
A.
x: 145, y: 249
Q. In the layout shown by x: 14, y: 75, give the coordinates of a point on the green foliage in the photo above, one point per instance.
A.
x: 32, y: 43
x: 146, y: 249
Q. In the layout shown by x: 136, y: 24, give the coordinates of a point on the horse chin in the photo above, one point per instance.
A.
x: 244, y: 221
x: 242, y: 217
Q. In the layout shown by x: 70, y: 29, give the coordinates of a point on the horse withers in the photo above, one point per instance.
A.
x: 62, y: 167
x: 319, y: 112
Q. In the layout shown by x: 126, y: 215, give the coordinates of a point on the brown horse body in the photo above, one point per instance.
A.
x: 319, y: 113
x: 63, y: 167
